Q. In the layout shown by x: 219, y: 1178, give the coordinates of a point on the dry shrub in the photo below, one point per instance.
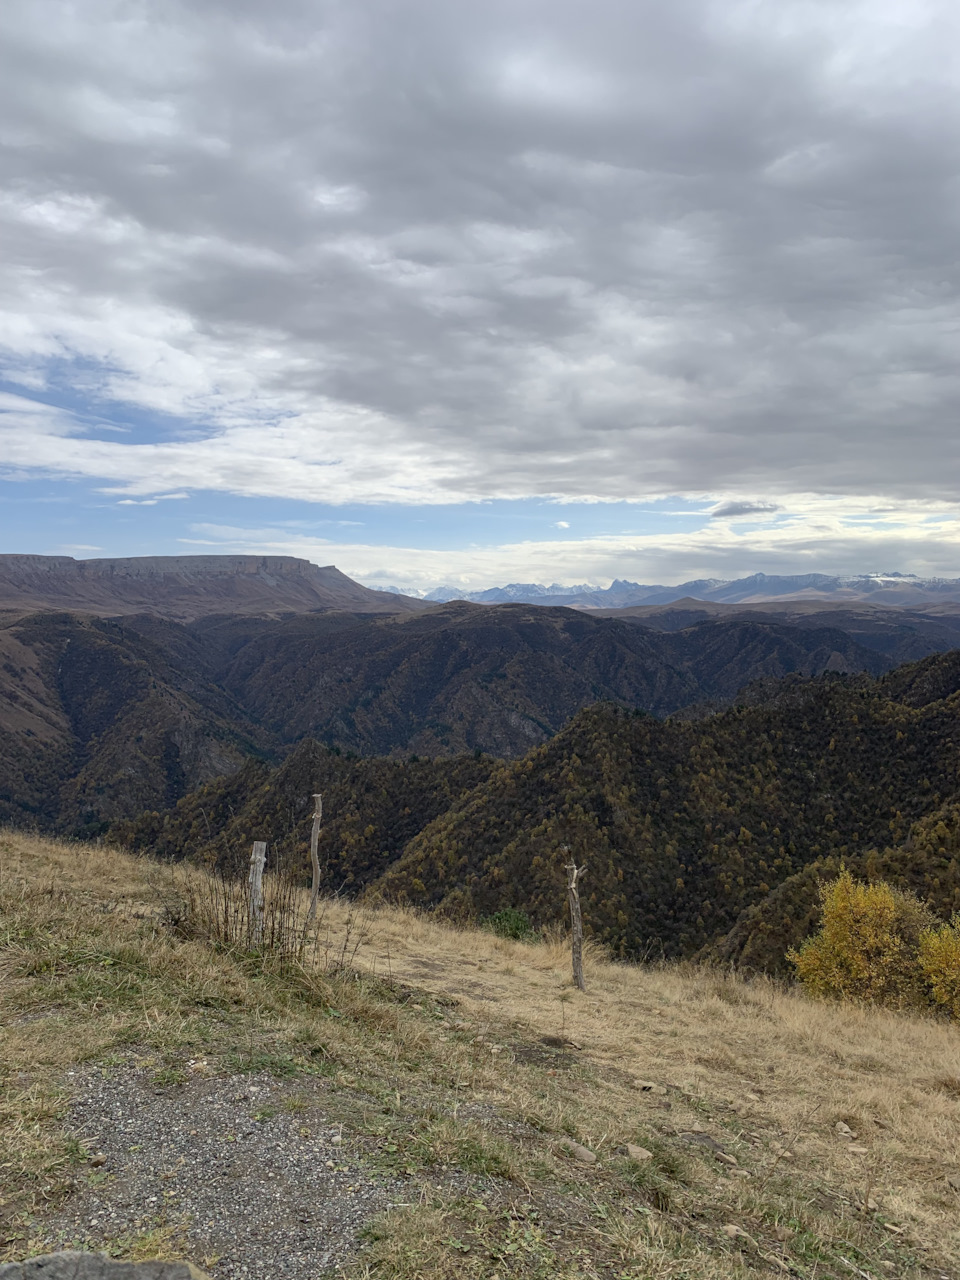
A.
x: 880, y: 945
x: 216, y: 909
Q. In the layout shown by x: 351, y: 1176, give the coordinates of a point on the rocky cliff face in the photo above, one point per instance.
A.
x: 187, y: 587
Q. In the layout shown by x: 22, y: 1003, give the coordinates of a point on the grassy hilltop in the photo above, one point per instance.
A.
x: 462, y: 1072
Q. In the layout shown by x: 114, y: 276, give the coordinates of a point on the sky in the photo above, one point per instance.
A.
x: 448, y: 293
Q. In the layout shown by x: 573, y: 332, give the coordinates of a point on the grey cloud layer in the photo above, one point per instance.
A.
x: 539, y: 248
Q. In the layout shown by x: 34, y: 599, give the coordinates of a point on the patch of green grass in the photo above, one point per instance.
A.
x: 653, y: 1186
x: 510, y: 922
x: 296, y: 1105
x: 669, y: 1161
x: 166, y: 1241
x: 169, y: 1076
x: 281, y: 1065
x: 445, y: 1142
x: 659, y: 1180
x: 466, y: 1239
x: 37, y: 1157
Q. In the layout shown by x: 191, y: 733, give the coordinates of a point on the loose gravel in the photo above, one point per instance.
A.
x: 255, y: 1174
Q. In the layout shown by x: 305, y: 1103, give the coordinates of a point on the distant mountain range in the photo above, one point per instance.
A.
x: 124, y: 683
x: 897, y: 589
x: 187, y: 587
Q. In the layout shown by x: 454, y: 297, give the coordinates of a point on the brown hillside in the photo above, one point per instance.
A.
x: 186, y: 587
x: 901, y: 634
x: 103, y: 717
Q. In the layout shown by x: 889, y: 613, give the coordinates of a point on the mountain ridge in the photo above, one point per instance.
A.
x: 191, y: 586
x: 699, y: 838
x: 187, y: 587
x: 102, y: 717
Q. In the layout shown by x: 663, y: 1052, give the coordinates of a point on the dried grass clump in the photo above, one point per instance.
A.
x: 216, y: 909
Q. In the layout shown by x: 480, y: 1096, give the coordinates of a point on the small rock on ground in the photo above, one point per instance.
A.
x: 583, y: 1154
x: 639, y: 1154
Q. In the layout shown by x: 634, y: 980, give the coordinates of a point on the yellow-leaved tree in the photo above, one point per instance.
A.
x: 881, y: 945
x: 940, y: 961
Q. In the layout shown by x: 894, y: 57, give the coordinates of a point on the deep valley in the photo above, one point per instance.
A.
x: 707, y: 767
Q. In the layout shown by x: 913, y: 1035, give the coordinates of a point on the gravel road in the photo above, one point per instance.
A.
x: 259, y: 1177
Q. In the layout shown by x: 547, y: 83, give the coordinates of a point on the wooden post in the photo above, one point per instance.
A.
x: 314, y: 858
x: 257, y: 859
x: 576, y: 921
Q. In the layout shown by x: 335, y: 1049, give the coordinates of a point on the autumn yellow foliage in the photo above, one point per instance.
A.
x: 880, y: 945
x: 939, y: 958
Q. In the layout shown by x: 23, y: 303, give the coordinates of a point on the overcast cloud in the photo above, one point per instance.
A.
x: 424, y: 252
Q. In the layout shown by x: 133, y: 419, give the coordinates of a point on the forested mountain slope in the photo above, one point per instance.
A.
x: 97, y: 721
x: 101, y: 718
x: 372, y: 810
x: 695, y: 835
x: 926, y: 863
x: 501, y: 678
x: 684, y: 826
x: 900, y: 634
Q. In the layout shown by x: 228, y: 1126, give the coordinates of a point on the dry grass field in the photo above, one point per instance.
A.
x: 781, y: 1136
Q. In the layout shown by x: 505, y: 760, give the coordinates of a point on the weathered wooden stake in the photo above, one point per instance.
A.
x: 314, y: 858
x: 576, y: 922
x: 257, y: 859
